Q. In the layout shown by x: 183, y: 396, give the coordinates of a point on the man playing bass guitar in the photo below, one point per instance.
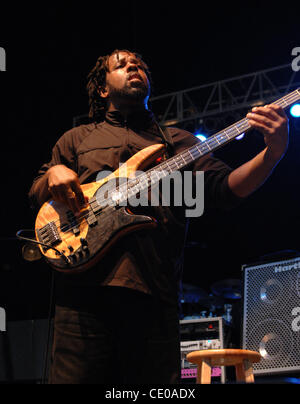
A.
x: 117, y: 322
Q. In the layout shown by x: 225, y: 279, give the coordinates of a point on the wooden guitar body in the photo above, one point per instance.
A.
x: 73, y: 244
x: 78, y: 242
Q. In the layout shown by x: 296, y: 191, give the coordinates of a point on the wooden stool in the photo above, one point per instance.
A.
x: 241, y: 359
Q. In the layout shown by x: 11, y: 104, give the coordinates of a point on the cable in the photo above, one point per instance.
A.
x: 43, y: 244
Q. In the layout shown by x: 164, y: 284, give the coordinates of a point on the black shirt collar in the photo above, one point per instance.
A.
x: 141, y: 119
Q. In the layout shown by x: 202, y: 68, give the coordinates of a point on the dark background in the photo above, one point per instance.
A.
x: 50, y: 50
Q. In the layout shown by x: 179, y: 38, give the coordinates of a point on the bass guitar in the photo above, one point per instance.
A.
x: 73, y: 244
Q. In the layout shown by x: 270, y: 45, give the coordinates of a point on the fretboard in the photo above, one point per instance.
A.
x: 218, y: 140
x: 184, y: 159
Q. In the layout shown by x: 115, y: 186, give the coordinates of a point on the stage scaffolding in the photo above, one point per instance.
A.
x: 202, y: 107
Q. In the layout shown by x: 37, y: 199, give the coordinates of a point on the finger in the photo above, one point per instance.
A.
x: 80, y: 198
x: 279, y: 110
x: 72, y: 203
x: 261, y: 119
x: 67, y: 197
x: 54, y: 193
x: 267, y: 112
x: 61, y: 195
x: 260, y: 127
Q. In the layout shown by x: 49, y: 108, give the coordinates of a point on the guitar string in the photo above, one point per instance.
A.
x: 227, y: 133
x: 187, y: 157
x: 243, y: 125
x: 287, y: 100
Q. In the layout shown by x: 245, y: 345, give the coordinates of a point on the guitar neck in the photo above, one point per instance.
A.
x: 184, y: 159
x: 218, y: 140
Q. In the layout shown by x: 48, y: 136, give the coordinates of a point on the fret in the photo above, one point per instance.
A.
x: 181, y: 163
x: 216, y: 137
x: 242, y: 126
x: 289, y: 99
x: 183, y: 159
x: 188, y: 157
x: 212, y: 142
x: 155, y: 172
x: 162, y: 174
x: 237, y: 128
x: 196, y: 151
x: 175, y: 161
x: 222, y: 137
x: 174, y: 167
x: 200, y: 149
x: 286, y: 104
x: 191, y: 154
x: 204, y: 147
x: 144, y: 182
x: 225, y: 131
x: 168, y: 166
x: 232, y: 133
x: 149, y: 179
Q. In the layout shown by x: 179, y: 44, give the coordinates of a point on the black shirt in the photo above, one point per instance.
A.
x: 146, y: 261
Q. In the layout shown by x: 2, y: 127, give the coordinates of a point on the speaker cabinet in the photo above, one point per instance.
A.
x: 271, y: 315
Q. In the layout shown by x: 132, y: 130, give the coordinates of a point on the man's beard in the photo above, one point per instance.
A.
x: 136, y: 94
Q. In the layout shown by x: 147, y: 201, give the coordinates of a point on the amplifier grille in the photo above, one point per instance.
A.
x: 270, y: 322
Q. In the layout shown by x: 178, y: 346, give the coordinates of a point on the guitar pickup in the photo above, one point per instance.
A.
x: 95, y: 206
x: 73, y: 223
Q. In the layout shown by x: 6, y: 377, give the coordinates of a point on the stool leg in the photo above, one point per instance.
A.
x: 244, y: 372
x: 204, y: 373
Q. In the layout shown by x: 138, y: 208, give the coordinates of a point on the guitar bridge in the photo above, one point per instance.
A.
x: 49, y: 235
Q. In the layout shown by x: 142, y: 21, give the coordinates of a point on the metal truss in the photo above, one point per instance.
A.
x: 193, y: 107
x: 226, y: 96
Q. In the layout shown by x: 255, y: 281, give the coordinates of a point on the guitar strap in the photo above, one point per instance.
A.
x: 167, y: 138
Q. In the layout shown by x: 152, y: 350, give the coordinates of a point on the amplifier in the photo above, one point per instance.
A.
x: 271, y: 315
x: 196, y: 335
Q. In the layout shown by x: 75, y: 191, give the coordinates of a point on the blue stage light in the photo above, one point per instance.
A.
x: 201, y: 137
x: 295, y: 111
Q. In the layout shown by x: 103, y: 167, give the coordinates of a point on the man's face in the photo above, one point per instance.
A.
x: 126, y: 79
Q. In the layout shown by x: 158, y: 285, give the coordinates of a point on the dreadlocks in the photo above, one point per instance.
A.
x: 97, y: 82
